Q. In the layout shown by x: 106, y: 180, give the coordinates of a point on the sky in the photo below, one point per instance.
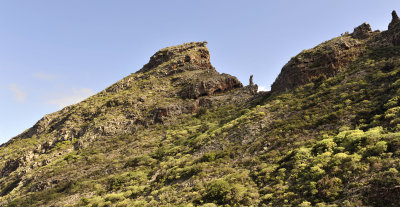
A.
x: 57, y: 53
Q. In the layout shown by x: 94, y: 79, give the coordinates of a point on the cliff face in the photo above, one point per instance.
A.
x: 178, y: 133
x: 325, y: 60
x: 331, y: 57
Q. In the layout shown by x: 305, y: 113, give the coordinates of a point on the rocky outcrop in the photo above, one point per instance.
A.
x: 362, y: 32
x: 216, y: 84
x: 330, y: 57
x: 193, y: 54
x: 395, y: 21
x: 326, y: 60
x: 394, y: 29
x: 253, y: 88
x: 390, y: 37
x: 159, y: 115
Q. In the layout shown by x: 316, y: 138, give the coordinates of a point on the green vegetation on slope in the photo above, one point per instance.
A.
x: 332, y: 142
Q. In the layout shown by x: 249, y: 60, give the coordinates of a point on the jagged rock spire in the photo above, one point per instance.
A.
x: 394, y: 15
x: 395, y: 20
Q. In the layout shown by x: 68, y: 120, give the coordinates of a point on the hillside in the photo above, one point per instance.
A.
x: 179, y: 133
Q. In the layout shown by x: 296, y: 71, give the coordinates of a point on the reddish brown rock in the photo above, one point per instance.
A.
x: 362, y: 32
x: 324, y: 60
x: 330, y: 57
x: 218, y: 83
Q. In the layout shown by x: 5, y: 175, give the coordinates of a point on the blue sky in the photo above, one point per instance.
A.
x: 55, y: 53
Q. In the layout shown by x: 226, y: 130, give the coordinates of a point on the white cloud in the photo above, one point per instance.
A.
x: 18, y: 93
x: 263, y: 88
x: 44, y: 76
x: 71, y: 97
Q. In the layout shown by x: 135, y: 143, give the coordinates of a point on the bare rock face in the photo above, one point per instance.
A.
x: 330, y: 57
x: 216, y: 84
x: 253, y: 88
x: 394, y: 27
x: 324, y: 60
x: 362, y: 32
x: 391, y: 37
x: 395, y: 21
x: 159, y: 115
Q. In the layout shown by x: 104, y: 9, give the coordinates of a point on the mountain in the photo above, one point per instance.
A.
x: 179, y: 133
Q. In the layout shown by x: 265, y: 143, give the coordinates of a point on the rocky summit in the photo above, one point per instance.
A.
x: 179, y: 133
x: 332, y: 56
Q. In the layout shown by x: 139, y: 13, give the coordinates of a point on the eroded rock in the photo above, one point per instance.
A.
x: 216, y: 84
x: 395, y: 21
x: 193, y: 53
x: 362, y: 32
x: 326, y: 60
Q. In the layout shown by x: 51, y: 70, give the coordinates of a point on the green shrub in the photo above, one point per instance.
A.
x: 227, y: 192
x: 144, y: 160
x: 325, y: 145
x: 114, y: 197
x: 219, y: 191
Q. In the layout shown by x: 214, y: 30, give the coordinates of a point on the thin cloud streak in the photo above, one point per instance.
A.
x: 18, y: 93
x: 44, y: 76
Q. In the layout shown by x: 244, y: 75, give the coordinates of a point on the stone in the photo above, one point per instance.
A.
x: 193, y: 53
x: 324, y: 60
x: 362, y: 32
x: 213, y: 85
x: 395, y: 21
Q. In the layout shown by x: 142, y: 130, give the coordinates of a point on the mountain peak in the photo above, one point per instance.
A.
x: 171, y: 58
x: 331, y: 57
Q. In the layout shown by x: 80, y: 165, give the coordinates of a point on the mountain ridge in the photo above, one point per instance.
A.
x: 179, y: 133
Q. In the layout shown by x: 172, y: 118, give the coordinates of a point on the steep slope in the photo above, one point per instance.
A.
x: 179, y: 133
x: 177, y: 83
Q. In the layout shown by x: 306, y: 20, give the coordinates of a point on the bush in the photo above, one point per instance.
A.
x: 325, y: 145
x: 225, y: 192
x: 379, y: 148
x: 219, y: 191
x: 114, y: 197
x: 140, y: 161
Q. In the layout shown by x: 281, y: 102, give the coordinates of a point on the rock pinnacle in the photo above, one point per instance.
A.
x: 395, y: 20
